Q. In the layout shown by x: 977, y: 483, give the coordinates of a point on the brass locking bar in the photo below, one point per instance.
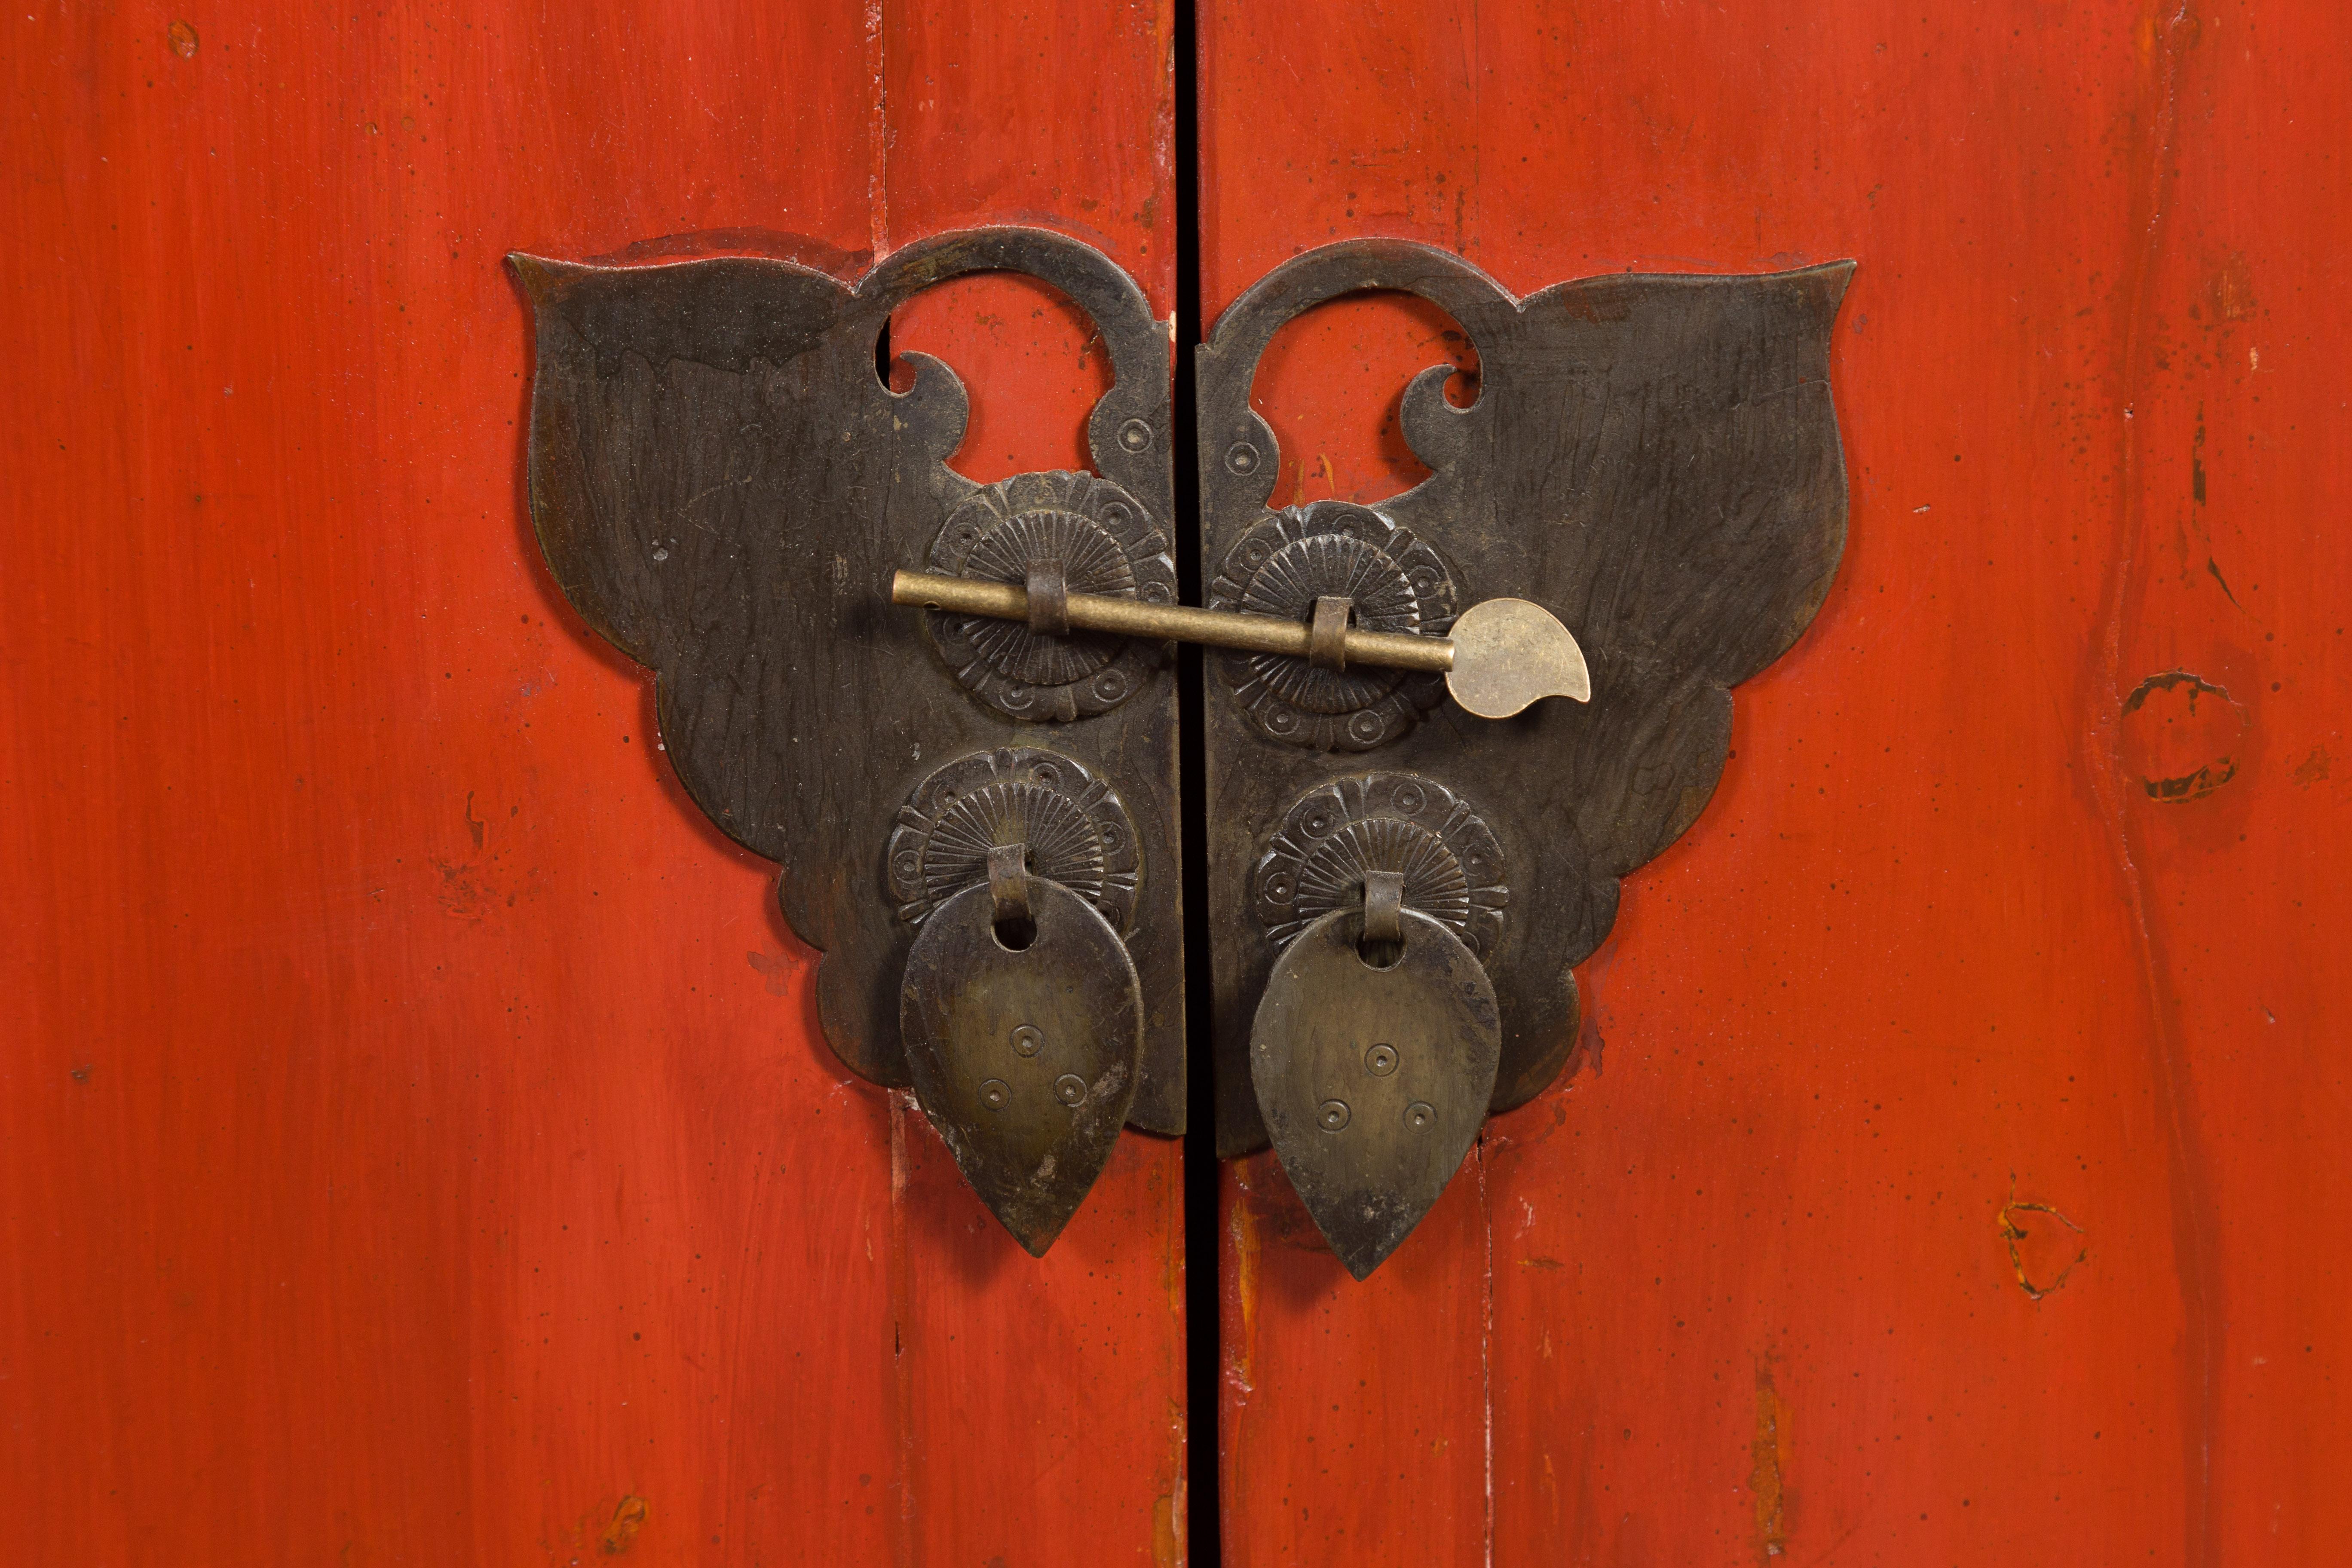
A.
x: 1503, y: 653
x: 1179, y: 623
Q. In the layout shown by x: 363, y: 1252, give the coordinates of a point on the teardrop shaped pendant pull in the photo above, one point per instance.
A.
x: 1025, y: 1057
x: 1374, y: 1079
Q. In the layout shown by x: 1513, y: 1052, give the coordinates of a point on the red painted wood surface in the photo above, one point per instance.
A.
x: 418, y: 1145
x: 1953, y: 1172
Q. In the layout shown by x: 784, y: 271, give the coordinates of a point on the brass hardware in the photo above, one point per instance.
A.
x: 1374, y: 1080
x: 1049, y: 532
x: 1023, y: 1058
x: 1383, y: 908
x: 1655, y: 460
x: 1393, y: 581
x: 1508, y: 655
x: 1049, y: 599
x: 955, y: 829
x: 1404, y: 876
x: 1338, y: 844
x: 1179, y: 623
x: 1008, y: 887
x: 1327, y: 632
x: 722, y: 484
x: 1502, y: 656
x: 1011, y: 1003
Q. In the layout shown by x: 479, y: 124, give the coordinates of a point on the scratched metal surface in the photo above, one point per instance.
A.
x: 1951, y: 1169
x: 418, y: 1143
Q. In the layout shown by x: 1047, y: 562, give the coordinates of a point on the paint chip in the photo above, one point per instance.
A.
x: 627, y: 1519
x: 1769, y: 1454
x: 2181, y: 735
x: 2044, y: 1246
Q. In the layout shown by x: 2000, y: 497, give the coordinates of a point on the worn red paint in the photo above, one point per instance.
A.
x: 1935, y: 945
x: 418, y: 1138
x: 403, y: 1161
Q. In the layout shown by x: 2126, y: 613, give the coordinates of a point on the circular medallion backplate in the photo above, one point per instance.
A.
x: 1104, y: 541
x: 1077, y: 828
x: 1453, y: 867
x: 1397, y: 583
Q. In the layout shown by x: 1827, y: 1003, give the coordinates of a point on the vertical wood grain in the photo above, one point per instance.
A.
x: 2223, y: 680
x: 419, y: 1146
x: 1942, y: 1174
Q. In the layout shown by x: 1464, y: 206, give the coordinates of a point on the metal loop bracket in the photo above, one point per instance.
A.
x: 1383, y: 907
x: 1049, y: 599
x: 1008, y: 885
x: 1327, y: 634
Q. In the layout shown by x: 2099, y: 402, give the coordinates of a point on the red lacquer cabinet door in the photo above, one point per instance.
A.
x: 1950, y: 1169
x: 420, y: 1146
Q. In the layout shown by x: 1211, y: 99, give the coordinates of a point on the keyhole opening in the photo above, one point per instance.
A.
x: 1015, y: 933
x: 1380, y: 955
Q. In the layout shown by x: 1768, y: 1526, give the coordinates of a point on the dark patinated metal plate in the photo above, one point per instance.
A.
x: 722, y: 486
x: 1393, y: 582
x: 1654, y: 460
x: 1373, y: 1081
x: 1024, y: 1061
